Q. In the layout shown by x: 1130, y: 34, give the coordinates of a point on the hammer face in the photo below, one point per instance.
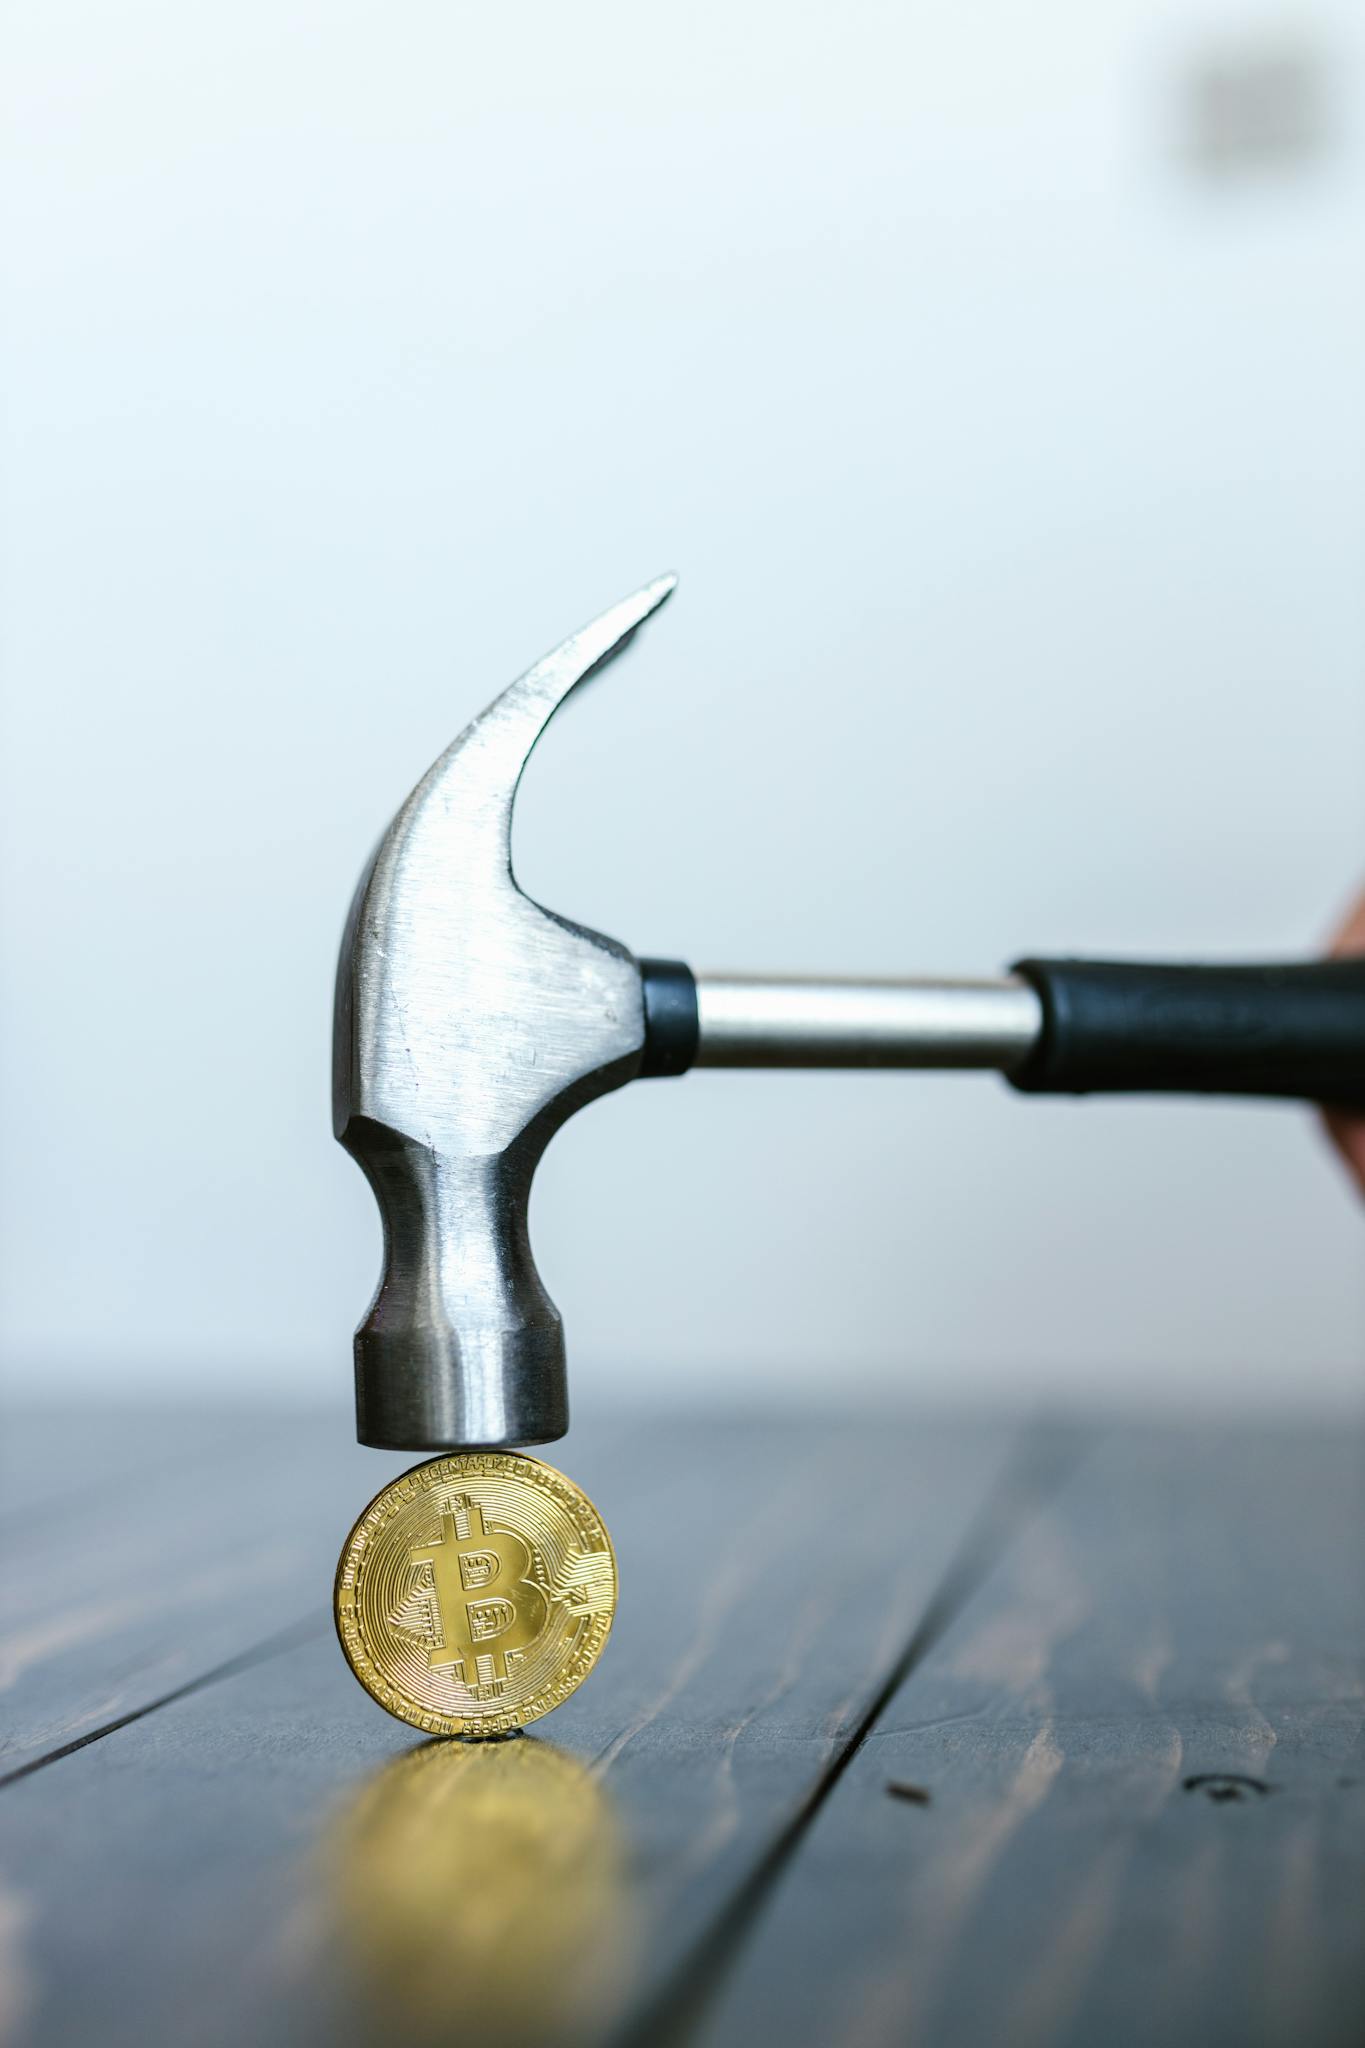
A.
x: 470, y: 1024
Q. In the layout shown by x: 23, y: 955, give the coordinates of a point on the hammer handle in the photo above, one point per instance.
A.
x: 1052, y: 1026
x: 1117, y: 1026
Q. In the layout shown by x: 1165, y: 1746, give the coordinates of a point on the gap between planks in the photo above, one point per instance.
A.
x: 290, y: 1637
x: 1041, y: 1463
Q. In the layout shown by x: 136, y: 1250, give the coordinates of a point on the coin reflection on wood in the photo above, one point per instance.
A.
x: 478, y: 1894
x: 475, y: 1593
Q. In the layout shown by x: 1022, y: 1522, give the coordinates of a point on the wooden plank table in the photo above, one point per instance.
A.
x: 931, y: 1731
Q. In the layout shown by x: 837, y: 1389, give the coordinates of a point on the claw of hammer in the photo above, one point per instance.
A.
x: 470, y: 1024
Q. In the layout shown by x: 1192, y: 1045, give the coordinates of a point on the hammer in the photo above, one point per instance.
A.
x: 470, y: 1024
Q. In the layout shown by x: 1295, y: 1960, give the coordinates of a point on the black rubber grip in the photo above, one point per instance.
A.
x: 1113, y: 1025
x: 671, y: 1025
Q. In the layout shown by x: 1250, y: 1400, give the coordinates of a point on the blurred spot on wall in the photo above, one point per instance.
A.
x: 1257, y: 108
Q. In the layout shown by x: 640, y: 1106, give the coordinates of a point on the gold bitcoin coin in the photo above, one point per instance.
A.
x: 475, y: 1593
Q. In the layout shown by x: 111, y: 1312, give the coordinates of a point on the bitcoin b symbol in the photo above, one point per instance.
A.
x: 480, y: 1627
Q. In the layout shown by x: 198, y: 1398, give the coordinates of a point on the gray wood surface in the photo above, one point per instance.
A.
x: 907, y: 1732
x: 1122, y: 1800
x: 254, y: 1851
x: 141, y: 1553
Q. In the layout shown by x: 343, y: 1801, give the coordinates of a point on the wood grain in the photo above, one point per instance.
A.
x: 1139, y: 1773
x: 142, y: 1552
x: 187, y: 1877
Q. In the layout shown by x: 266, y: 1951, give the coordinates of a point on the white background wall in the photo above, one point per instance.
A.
x: 1016, y: 474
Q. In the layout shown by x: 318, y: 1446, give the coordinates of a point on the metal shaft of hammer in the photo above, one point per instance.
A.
x: 752, y: 1021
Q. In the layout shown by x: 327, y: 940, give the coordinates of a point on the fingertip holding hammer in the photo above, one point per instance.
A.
x: 470, y: 1024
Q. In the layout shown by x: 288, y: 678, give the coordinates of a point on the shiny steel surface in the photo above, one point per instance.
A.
x: 750, y: 1021
x: 475, y: 1593
x: 470, y: 1024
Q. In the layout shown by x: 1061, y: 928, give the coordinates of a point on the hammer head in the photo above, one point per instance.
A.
x: 469, y: 1025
